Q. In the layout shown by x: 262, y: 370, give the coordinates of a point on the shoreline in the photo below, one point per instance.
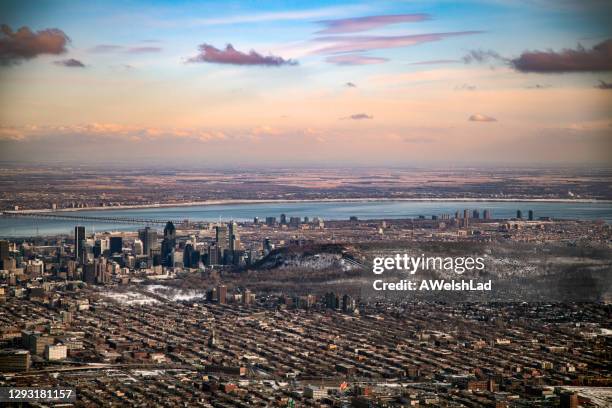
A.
x: 325, y: 200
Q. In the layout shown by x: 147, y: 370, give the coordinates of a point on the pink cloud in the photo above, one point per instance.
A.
x: 354, y: 59
x: 478, y: 117
x: 352, y: 25
x: 142, y: 50
x: 230, y: 55
x: 345, y: 44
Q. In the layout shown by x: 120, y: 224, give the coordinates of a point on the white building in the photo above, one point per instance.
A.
x: 56, y: 352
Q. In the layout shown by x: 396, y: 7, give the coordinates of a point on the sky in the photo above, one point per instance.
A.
x: 322, y: 83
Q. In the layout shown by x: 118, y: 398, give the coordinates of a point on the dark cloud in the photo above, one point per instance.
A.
x: 143, y: 50
x: 359, y: 116
x: 353, y: 25
x: 604, y: 85
x: 481, y: 56
x: 538, y: 86
x: 350, y: 85
x: 477, y: 117
x: 24, y: 43
x: 230, y: 55
x: 71, y: 63
x: 596, y: 59
x: 355, y: 59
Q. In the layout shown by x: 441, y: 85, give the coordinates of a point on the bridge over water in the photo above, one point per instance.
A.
x: 86, y: 218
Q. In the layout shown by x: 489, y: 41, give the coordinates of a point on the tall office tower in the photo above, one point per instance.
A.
x: 221, y: 237
x: 295, y: 222
x: 138, y: 248
x: 568, y: 400
x: 79, y: 243
x: 97, y: 249
x: 234, y: 237
x: 256, y: 220
x: 89, y: 274
x: 213, y: 255
x: 148, y: 236
x: 168, y: 244
x: 268, y: 246
x: 519, y: 214
x: 191, y: 257
x: 222, y: 294
x: 466, y: 217
x: 116, y: 245
x: 476, y: 214
x: 486, y: 215
x: 283, y: 219
x: 456, y: 215
x: 247, y: 297
x: 530, y: 215
x: 348, y: 304
x: 4, y: 253
x: 270, y: 221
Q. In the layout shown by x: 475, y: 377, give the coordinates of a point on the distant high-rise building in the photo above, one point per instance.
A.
x: 519, y: 214
x: 476, y: 214
x: 456, y: 215
x: 270, y: 221
x: 348, y: 304
x: 569, y: 400
x: 148, y: 236
x: 268, y: 246
x: 530, y: 215
x: 234, y: 237
x: 212, y: 339
x: 332, y: 301
x: 89, y: 274
x: 97, y: 248
x: 247, y: 297
x: 168, y: 244
x: 295, y: 222
x: 283, y: 219
x: 4, y: 252
x: 466, y: 213
x: 213, y: 255
x: 79, y: 243
x: 486, y: 214
x: 116, y: 245
x: 222, y: 294
x: 256, y: 220
x: 191, y: 257
x: 221, y: 237
x: 138, y: 247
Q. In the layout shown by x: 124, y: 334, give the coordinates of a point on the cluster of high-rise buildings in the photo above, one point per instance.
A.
x: 148, y: 251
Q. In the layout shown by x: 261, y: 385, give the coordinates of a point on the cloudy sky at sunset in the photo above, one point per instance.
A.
x: 307, y: 82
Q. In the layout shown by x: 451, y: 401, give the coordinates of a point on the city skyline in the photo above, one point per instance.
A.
x: 307, y: 83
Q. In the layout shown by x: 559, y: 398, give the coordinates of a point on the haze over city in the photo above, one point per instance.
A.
x: 307, y: 83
